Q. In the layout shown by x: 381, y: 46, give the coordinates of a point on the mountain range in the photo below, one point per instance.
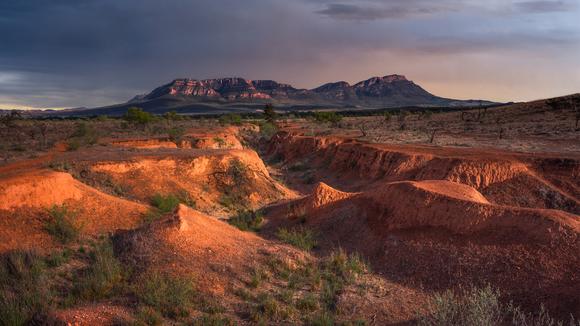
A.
x: 192, y: 96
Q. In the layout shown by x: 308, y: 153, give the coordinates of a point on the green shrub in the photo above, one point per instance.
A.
x: 268, y: 130
x: 24, y: 293
x: 73, y: 144
x: 269, y: 114
x: 61, y: 166
x: 148, y: 316
x: 247, y: 221
x: 299, y: 237
x: 137, y: 115
x: 238, y: 171
x: 172, y: 296
x: 61, y: 224
x: 230, y: 118
x: 172, y: 115
x: 220, y: 141
x: 58, y: 258
x: 268, y: 309
x: 258, y: 275
x: 327, y: 116
x: 175, y: 134
x: 103, y: 277
x: 165, y: 204
x: 344, y: 265
x: 308, y: 302
x: 84, y: 134
x: 227, y: 201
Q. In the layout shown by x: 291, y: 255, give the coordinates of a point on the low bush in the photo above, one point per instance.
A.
x: 248, y: 220
x: 327, y: 116
x: 269, y: 309
x: 84, y: 134
x: 138, y: 116
x: 267, y: 130
x: 61, y: 224
x: 299, y: 237
x: 104, y: 276
x: 231, y: 118
x: 172, y: 296
x: 175, y: 134
x: 165, y: 203
x: 59, y: 258
x: 308, y: 302
x: 220, y: 142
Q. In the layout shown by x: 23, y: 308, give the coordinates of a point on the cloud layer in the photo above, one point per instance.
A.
x: 68, y: 53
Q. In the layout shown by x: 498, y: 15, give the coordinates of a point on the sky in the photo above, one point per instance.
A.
x: 88, y: 53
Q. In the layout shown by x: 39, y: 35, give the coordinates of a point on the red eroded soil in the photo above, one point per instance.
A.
x: 438, y: 218
x: 25, y: 199
x: 190, y: 242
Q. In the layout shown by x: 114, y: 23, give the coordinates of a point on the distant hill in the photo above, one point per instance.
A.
x: 191, y: 96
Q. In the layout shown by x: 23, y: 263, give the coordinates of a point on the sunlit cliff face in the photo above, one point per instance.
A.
x: 87, y: 53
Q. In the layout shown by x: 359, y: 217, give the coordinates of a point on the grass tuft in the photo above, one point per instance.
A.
x: 24, y: 294
x: 475, y: 306
x: 299, y: 237
x: 172, y: 296
x: 103, y: 278
x: 61, y: 224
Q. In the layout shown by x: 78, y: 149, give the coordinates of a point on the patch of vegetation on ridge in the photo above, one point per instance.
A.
x: 247, y: 220
x: 61, y: 224
x: 300, y: 237
x: 307, y: 292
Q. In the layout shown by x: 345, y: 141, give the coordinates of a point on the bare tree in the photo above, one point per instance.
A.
x: 42, y: 128
x: 402, y: 118
x: 362, y: 126
x: 501, y: 129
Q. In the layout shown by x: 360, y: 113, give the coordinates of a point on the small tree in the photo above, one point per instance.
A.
x: 172, y: 115
x: 138, y: 116
x: 269, y: 114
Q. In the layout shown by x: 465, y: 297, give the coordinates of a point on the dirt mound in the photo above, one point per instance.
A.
x: 41, y: 189
x: 192, y: 243
x: 24, y: 201
x: 215, y: 182
x: 324, y: 195
x: 440, y: 234
x: 460, y: 209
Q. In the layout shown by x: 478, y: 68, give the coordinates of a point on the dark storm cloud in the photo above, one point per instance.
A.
x: 97, y: 52
x: 544, y: 6
x: 356, y: 12
x: 375, y: 10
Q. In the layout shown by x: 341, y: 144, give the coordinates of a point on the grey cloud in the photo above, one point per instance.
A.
x: 543, y: 6
x: 376, y: 11
x: 98, y: 52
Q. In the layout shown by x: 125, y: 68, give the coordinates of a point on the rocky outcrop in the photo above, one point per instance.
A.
x: 390, y: 90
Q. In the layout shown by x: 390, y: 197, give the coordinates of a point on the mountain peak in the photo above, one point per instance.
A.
x: 387, y: 91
